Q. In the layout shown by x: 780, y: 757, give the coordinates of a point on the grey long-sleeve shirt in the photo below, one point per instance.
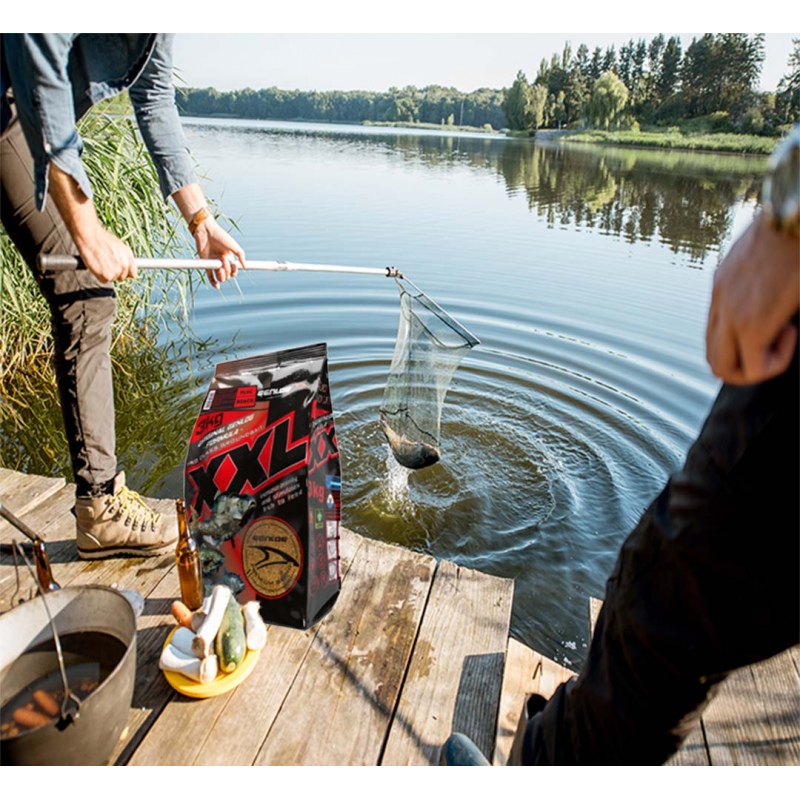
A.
x: 56, y: 77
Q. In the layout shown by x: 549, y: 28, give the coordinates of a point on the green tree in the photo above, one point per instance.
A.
x: 517, y: 104
x: 624, y: 63
x: 596, y: 65
x: 610, y: 59
x: 609, y: 98
x: 720, y: 72
x: 667, y: 80
x: 581, y: 62
x: 700, y: 75
x: 538, y: 106
x: 576, y: 93
x: 787, y: 97
x: 557, y: 109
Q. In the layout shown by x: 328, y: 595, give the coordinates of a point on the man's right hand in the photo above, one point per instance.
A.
x: 106, y: 256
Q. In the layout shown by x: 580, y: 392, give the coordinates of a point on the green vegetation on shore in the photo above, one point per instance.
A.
x: 675, y: 139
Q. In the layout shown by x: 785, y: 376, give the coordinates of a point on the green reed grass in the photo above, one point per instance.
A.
x: 674, y: 138
x: 129, y: 203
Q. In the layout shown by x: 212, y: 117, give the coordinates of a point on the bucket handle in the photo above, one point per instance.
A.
x: 67, y: 716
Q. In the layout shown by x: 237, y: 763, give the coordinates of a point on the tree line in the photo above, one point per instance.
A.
x: 650, y: 83
x: 657, y: 83
x: 432, y: 105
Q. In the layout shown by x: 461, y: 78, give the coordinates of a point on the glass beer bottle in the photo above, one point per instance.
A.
x: 187, y: 556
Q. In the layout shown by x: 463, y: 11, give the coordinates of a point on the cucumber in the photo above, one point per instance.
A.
x: 231, y: 642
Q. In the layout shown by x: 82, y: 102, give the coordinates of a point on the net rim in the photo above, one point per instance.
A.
x: 470, y: 340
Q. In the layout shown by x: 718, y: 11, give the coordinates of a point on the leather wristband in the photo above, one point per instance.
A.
x: 200, y: 216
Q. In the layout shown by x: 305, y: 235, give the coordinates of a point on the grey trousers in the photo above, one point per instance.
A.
x: 707, y: 582
x: 82, y: 311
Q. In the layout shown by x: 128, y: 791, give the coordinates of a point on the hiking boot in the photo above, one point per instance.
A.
x: 122, y: 524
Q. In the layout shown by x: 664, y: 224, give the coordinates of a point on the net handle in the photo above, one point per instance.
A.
x: 49, y: 262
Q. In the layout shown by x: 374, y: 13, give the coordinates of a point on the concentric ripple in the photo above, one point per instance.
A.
x: 589, y: 382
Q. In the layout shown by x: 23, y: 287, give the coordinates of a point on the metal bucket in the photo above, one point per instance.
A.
x: 88, y: 734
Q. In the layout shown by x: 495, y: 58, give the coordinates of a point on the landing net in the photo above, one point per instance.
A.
x: 429, y: 347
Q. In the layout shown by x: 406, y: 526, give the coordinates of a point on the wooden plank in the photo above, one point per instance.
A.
x: 526, y: 672
x: 59, y: 535
x: 260, y: 698
x: 22, y: 493
x: 68, y: 569
x: 594, y: 612
x: 169, y: 729
x: 41, y: 517
x: 456, y: 671
x: 779, y: 686
x: 151, y: 692
x: 755, y: 717
x: 7, y: 477
x: 202, y: 731
x: 694, y: 750
x: 340, y: 704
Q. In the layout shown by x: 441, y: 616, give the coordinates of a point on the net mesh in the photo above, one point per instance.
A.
x: 429, y: 347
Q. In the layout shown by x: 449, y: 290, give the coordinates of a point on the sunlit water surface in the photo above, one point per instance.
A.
x: 584, y: 273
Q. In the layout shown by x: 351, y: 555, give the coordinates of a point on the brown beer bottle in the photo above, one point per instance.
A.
x: 188, y: 557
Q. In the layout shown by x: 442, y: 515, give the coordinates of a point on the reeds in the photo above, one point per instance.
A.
x: 129, y: 203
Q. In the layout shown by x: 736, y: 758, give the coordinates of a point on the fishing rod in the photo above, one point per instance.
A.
x: 51, y: 263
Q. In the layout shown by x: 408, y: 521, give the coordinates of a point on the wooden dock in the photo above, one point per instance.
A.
x: 413, y: 649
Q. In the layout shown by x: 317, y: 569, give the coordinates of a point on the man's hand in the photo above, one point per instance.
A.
x: 210, y: 239
x: 750, y: 336
x: 214, y: 242
x: 107, y: 257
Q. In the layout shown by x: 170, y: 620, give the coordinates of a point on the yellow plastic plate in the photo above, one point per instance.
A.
x: 224, y: 682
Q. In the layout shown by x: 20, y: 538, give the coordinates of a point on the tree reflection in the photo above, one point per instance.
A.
x: 683, y: 200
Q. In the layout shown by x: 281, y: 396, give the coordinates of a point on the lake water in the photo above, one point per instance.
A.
x: 585, y: 274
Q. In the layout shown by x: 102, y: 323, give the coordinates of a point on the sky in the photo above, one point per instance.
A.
x: 378, y: 61
x: 363, y: 44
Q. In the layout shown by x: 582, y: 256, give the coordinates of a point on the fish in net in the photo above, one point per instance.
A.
x: 429, y: 347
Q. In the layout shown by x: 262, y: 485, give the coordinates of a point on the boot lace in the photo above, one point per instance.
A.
x: 130, y: 504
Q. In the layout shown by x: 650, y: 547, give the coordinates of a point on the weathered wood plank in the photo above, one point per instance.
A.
x: 755, y: 717
x: 41, y: 517
x: 30, y: 498
x: 456, y: 671
x: 527, y: 672
x: 694, y: 750
x: 356, y: 664
x: 44, y: 519
x: 779, y: 686
x: 61, y: 551
x: 22, y: 491
x: 260, y: 698
x: 594, y: 612
x: 68, y: 569
x: 190, y: 731
x: 151, y: 692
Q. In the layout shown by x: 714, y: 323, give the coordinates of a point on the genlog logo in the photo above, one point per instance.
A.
x: 272, y: 557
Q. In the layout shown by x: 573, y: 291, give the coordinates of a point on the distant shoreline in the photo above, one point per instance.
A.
x: 669, y: 139
x: 365, y: 123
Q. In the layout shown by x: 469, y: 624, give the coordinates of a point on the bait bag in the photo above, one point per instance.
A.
x: 262, y: 484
